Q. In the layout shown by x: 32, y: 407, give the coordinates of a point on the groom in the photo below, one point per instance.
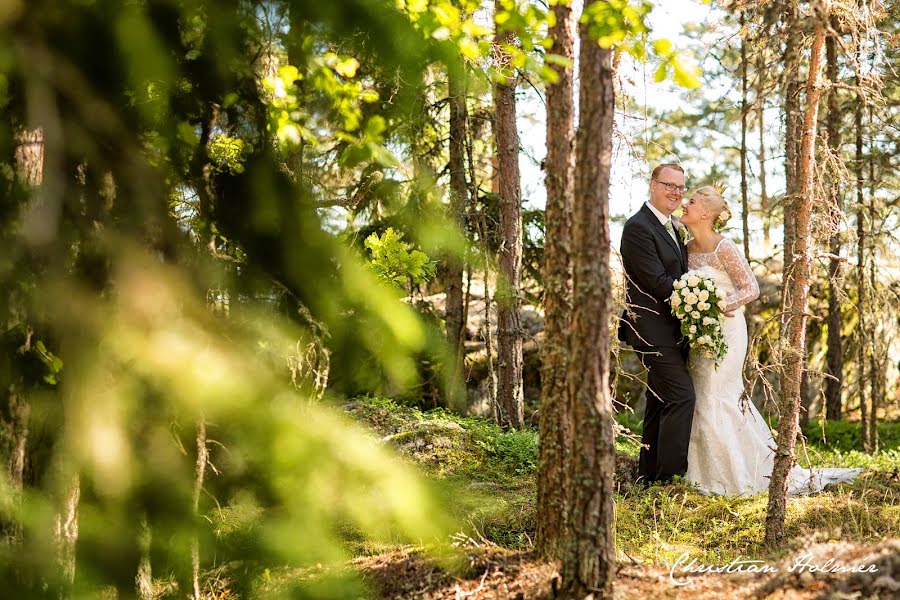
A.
x: 654, y: 256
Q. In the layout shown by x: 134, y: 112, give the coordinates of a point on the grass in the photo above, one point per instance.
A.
x: 487, y: 476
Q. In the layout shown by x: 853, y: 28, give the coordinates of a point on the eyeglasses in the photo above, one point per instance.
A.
x: 671, y: 187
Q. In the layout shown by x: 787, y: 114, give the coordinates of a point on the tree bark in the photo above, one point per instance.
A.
x: 792, y: 132
x: 589, y: 560
x: 509, y: 347
x: 745, y: 109
x: 454, y: 264
x: 199, y: 474
x: 555, y: 432
x: 796, y: 299
x: 877, y: 367
x: 835, y: 356
x: 763, y: 195
x: 143, y: 580
x: 862, y: 301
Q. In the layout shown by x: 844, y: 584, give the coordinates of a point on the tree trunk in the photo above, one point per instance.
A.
x: 745, y: 109
x: 509, y: 350
x: 66, y: 529
x: 835, y: 356
x: 763, y: 195
x: 555, y: 433
x: 454, y: 264
x: 862, y: 302
x: 877, y: 369
x: 791, y: 132
x: 199, y: 474
x: 589, y: 559
x: 143, y: 580
x: 796, y: 298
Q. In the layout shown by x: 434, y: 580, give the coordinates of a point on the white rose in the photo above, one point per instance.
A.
x: 695, y: 291
x: 721, y: 304
x: 693, y: 280
x: 679, y: 284
x: 690, y: 299
x: 721, y: 294
x: 709, y: 321
x: 703, y: 295
x: 693, y: 329
x: 710, y: 284
x: 695, y: 315
x: 705, y: 340
x: 702, y: 306
x: 676, y: 300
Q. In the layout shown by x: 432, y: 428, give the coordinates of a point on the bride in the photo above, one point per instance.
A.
x: 731, y: 449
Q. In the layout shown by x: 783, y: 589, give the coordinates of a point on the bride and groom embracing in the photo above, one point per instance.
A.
x: 694, y: 425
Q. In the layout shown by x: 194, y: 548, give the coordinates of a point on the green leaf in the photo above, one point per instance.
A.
x: 660, y: 74
x: 662, y: 46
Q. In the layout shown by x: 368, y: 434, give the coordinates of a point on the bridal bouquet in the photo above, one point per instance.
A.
x: 699, y: 305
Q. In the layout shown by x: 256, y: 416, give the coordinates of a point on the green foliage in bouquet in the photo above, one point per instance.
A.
x: 699, y: 304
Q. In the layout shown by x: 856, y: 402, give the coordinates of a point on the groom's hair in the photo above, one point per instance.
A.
x: 659, y: 169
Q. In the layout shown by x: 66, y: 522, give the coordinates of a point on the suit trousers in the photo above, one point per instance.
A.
x: 668, y: 415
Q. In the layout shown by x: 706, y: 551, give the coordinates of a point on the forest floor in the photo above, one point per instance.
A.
x: 487, y: 475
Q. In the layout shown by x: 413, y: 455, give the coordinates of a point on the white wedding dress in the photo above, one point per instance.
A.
x: 732, y: 449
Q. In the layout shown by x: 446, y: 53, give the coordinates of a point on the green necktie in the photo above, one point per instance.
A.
x: 671, y: 230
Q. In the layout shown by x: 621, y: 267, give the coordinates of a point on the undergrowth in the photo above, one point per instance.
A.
x: 487, y: 477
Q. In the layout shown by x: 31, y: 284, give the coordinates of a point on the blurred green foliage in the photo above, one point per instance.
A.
x: 180, y: 180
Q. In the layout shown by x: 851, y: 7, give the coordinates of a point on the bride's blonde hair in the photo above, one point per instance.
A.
x: 712, y: 200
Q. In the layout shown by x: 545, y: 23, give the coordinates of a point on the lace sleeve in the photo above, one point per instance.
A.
x: 745, y: 287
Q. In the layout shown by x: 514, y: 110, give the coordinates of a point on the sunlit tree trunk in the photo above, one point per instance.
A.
x: 590, y: 556
x: 793, y: 135
x: 555, y: 433
x: 795, y: 305
x: 509, y: 347
x: 199, y: 474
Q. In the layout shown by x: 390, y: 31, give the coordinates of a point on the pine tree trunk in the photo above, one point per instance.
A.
x: 589, y: 559
x: 454, y: 265
x: 509, y: 347
x: 555, y: 433
x: 835, y: 356
x: 763, y: 195
x: 791, y: 131
x: 862, y: 302
x: 796, y: 302
x: 878, y: 365
x: 745, y: 109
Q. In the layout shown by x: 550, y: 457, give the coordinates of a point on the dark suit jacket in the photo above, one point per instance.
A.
x: 652, y: 261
